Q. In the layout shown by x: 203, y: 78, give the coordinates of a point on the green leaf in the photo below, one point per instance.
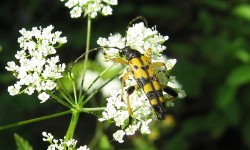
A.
x: 243, y: 55
x: 239, y: 76
x: 224, y: 96
x: 21, y: 143
x: 242, y: 11
x: 104, y: 143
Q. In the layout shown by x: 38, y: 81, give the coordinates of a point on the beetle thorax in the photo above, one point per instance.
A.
x: 130, y: 53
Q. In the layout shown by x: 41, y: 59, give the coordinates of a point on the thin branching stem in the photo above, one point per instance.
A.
x: 87, y: 53
x: 35, y: 120
x: 101, y: 74
x: 97, y: 90
x: 58, y: 99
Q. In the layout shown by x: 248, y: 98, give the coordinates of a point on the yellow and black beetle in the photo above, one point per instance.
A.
x: 143, y: 71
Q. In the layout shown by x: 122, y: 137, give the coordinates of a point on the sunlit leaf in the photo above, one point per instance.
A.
x: 242, y: 11
x: 243, y: 55
x: 239, y: 76
x: 104, y: 143
x: 21, y: 143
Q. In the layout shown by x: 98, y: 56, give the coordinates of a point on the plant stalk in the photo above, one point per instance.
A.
x: 72, y: 125
x: 87, y: 54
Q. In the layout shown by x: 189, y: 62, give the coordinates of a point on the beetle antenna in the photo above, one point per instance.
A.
x: 81, y: 56
x: 133, y: 21
x: 136, y: 19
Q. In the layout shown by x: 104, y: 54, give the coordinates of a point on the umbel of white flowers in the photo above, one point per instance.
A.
x: 38, y: 66
x: 90, y: 7
x: 61, y: 144
x: 140, y: 38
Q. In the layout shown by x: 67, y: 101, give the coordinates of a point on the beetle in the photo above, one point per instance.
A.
x: 143, y: 71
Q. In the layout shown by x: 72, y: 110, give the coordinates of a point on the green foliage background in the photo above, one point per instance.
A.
x: 209, y: 39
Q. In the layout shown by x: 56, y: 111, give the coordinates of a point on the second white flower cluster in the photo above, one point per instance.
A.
x: 37, y: 70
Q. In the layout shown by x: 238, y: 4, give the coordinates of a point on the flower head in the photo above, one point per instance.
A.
x: 37, y: 69
x: 140, y: 38
x: 61, y: 144
x: 90, y: 7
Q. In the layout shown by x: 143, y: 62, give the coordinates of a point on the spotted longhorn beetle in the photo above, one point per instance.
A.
x: 143, y: 71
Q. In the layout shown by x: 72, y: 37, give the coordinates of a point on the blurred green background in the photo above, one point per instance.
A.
x: 209, y: 39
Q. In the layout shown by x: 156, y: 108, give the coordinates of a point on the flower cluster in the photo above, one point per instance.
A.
x: 140, y: 38
x: 61, y: 144
x: 90, y: 7
x: 137, y: 37
x: 117, y: 110
x: 37, y: 70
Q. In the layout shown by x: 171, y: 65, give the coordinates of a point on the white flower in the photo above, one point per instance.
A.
x: 61, y: 144
x: 15, y: 89
x: 47, y: 136
x: 83, y: 148
x: 107, y: 10
x: 145, y: 128
x: 30, y: 90
x: 11, y: 66
x: 76, y: 12
x: 118, y: 136
x: 43, y: 97
x: 140, y: 38
x: 90, y: 7
x: 37, y: 70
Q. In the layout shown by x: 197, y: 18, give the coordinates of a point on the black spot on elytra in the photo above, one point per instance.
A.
x: 145, y: 68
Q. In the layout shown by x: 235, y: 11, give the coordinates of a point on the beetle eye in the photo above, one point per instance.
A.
x: 121, y: 52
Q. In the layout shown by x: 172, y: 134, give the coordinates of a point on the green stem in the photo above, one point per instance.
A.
x: 101, y: 74
x: 74, y: 91
x: 35, y: 120
x: 87, y: 53
x: 76, y: 112
x: 72, y: 125
x: 64, y: 92
x: 97, y: 90
x: 58, y: 99
x: 87, y: 110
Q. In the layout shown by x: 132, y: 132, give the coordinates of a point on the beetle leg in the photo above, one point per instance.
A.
x: 117, y: 60
x: 130, y: 90
x: 148, y: 53
x: 124, y: 78
x: 167, y: 89
x: 170, y: 92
